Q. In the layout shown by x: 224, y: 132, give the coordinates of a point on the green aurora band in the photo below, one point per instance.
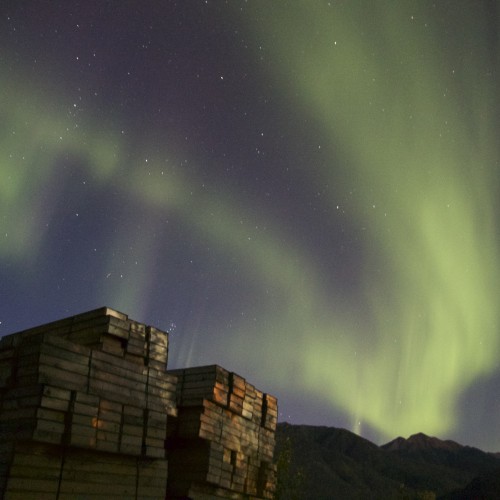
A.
x: 423, y: 174
x: 415, y: 120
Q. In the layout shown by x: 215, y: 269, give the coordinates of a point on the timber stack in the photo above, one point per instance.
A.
x: 231, y: 427
x: 89, y: 410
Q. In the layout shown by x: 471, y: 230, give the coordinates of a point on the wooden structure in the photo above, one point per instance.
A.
x: 88, y: 410
x: 222, y: 441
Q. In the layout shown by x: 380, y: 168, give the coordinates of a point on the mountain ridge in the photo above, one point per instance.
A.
x: 337, y: 463
x: 420, y: 441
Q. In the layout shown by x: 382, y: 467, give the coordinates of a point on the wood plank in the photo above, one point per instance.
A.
x: 81, y: 460
x: 116, y: 361
x: 67, y: 345
x: 110, y: 436
x: 120, y: 383
x: 85, y: 409
x: 132, y: 430
x: 95, y: 477
x: 104, y: 489
x: 128, y: 449
x: 47, y: 414
x: 60, y: 378
x: 83, y: 420
x: 112, y: 346
x: 118, y: 332
x: 155, y: 336
x: 46, y: 436
x: 86, y: 398
x: 158, y: 365
x: 96, y: 313
x: 110, y: 406
x: 34, y: 473
x: 156, y: 433
x: 21, y: 495
x: 138, y: 374
x: 133, y: 420
x: 123, y: 323
x: 154, y: 452
x: 156, y: 419
x: 83, y: 430
x: 134, y: 358
x: 64, y: 364
x: 50, y: 426
x: 131, y: 440
x: 30, y: 486
x: 116, y: 393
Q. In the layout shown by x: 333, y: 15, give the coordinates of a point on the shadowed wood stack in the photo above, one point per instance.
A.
x: 84, y: 405
x: 222, y: 441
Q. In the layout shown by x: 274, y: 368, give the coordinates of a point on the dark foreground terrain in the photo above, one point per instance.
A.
x: 330, y: 463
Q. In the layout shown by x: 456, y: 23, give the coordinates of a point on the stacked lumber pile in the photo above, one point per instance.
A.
x: 44, y: 472
x: 222, y: 442
x: 88, y: 410
x: 94, y: 382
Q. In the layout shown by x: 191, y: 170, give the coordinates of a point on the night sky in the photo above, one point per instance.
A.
x: 304, y: 192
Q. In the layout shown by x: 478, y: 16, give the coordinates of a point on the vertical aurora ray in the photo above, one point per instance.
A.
x: 415, y: 122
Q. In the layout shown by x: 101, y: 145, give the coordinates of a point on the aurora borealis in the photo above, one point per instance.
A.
x: 303, y: 192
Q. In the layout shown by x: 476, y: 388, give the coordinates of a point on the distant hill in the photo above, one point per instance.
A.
x: 338, y: 464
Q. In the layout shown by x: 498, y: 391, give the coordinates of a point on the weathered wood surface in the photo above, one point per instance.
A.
x: 230, y: 425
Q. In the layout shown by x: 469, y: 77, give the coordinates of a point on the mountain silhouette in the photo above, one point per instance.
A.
x: 336, y: 463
